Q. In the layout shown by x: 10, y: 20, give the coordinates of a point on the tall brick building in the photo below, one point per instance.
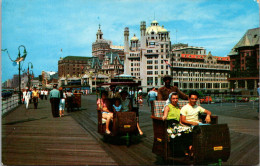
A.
x: 244, y: 62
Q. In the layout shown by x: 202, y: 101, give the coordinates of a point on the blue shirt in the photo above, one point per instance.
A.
x: 152, y: 95
x: 258, y: 91
x: 54, y: 93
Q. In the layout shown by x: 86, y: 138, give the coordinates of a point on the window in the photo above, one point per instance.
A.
x: 152, y: 43
x: 161, y: 66
x: 156, y: 62
x: 161, y: 72
x: 150, y: 62
x: 149, y: 72
x: 156, y: 67
x: 149, y: 51
x: 149, y: 67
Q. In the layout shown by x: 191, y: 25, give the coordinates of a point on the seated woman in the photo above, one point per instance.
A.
x: 102, y: 105
x: 126, y: 106
x: 172, y: 111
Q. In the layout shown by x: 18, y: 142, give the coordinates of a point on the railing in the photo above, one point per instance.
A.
x: 9, y: 103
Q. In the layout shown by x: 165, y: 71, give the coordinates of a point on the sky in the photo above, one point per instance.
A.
x: 45, y: 27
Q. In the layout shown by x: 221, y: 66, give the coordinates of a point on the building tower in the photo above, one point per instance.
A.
x: 99, y: 34
x: 126, y: 40
x: 126, y: 51
x: 142, y: 38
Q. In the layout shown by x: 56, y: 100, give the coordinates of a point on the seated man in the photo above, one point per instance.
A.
x: 190, y: 112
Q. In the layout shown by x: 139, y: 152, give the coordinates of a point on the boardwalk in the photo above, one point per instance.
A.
x: 34, y: 137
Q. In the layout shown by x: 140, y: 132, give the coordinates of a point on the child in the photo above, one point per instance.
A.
x: 117, y: 107
x: 141, y: 100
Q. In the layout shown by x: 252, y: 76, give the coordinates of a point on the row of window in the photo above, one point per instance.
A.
x: 218, y: 66
x: 203, y: 85
x: 135, y: 64
x: 135, y: 69
x: 156, y: 72
x: 156, y: 67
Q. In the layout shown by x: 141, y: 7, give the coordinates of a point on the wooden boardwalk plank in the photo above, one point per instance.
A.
x: 34, y: 137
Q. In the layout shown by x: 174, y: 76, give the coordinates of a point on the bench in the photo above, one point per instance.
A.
x: 161, y: 140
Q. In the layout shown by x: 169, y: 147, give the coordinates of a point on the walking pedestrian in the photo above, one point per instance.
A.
x: 46, y: 94
x: 69, y: 96
x: 35, y: 97
x: 55, y: 101
x: 27, y: 98
x: 62, y: 101
x: 152, y: 95
x: 41, y: 94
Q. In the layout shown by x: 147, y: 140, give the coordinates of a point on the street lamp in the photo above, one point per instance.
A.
x: 18, y: 60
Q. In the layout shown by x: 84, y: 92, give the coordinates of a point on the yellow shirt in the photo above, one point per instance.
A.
x: 174, y: 113
x: 35, y: 94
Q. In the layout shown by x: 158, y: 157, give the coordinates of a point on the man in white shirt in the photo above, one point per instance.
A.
x: 190, y: 112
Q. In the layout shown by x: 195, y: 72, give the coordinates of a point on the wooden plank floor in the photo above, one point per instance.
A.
x: 244, y: 134
x: 34, y: 137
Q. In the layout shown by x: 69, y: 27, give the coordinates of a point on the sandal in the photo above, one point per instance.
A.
x: 108, y: 132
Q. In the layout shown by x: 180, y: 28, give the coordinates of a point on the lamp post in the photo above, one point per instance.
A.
x: 18, y: 60
x: 19, y: 68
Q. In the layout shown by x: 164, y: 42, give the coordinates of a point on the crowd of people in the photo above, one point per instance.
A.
x: 33, y: 95
x: 121, y: 104
x: 57, y: 99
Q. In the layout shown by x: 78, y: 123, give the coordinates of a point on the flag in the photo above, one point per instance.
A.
x: 61, y: 50
x: 167, y: 63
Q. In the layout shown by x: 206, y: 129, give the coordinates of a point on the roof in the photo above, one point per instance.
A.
x: 134, y: 38
x: 155, y: 28
x: 76, y: 58
x: 112, y: 56
x: 131, y: 84
x: 250, y: 39
x: 95, y: 62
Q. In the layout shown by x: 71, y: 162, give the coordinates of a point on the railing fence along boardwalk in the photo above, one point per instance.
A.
x: 9, y: 103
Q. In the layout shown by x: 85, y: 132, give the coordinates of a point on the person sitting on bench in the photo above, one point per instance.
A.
x: 190, y: 112
x: 172, y: 111
x: 102, y: 105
